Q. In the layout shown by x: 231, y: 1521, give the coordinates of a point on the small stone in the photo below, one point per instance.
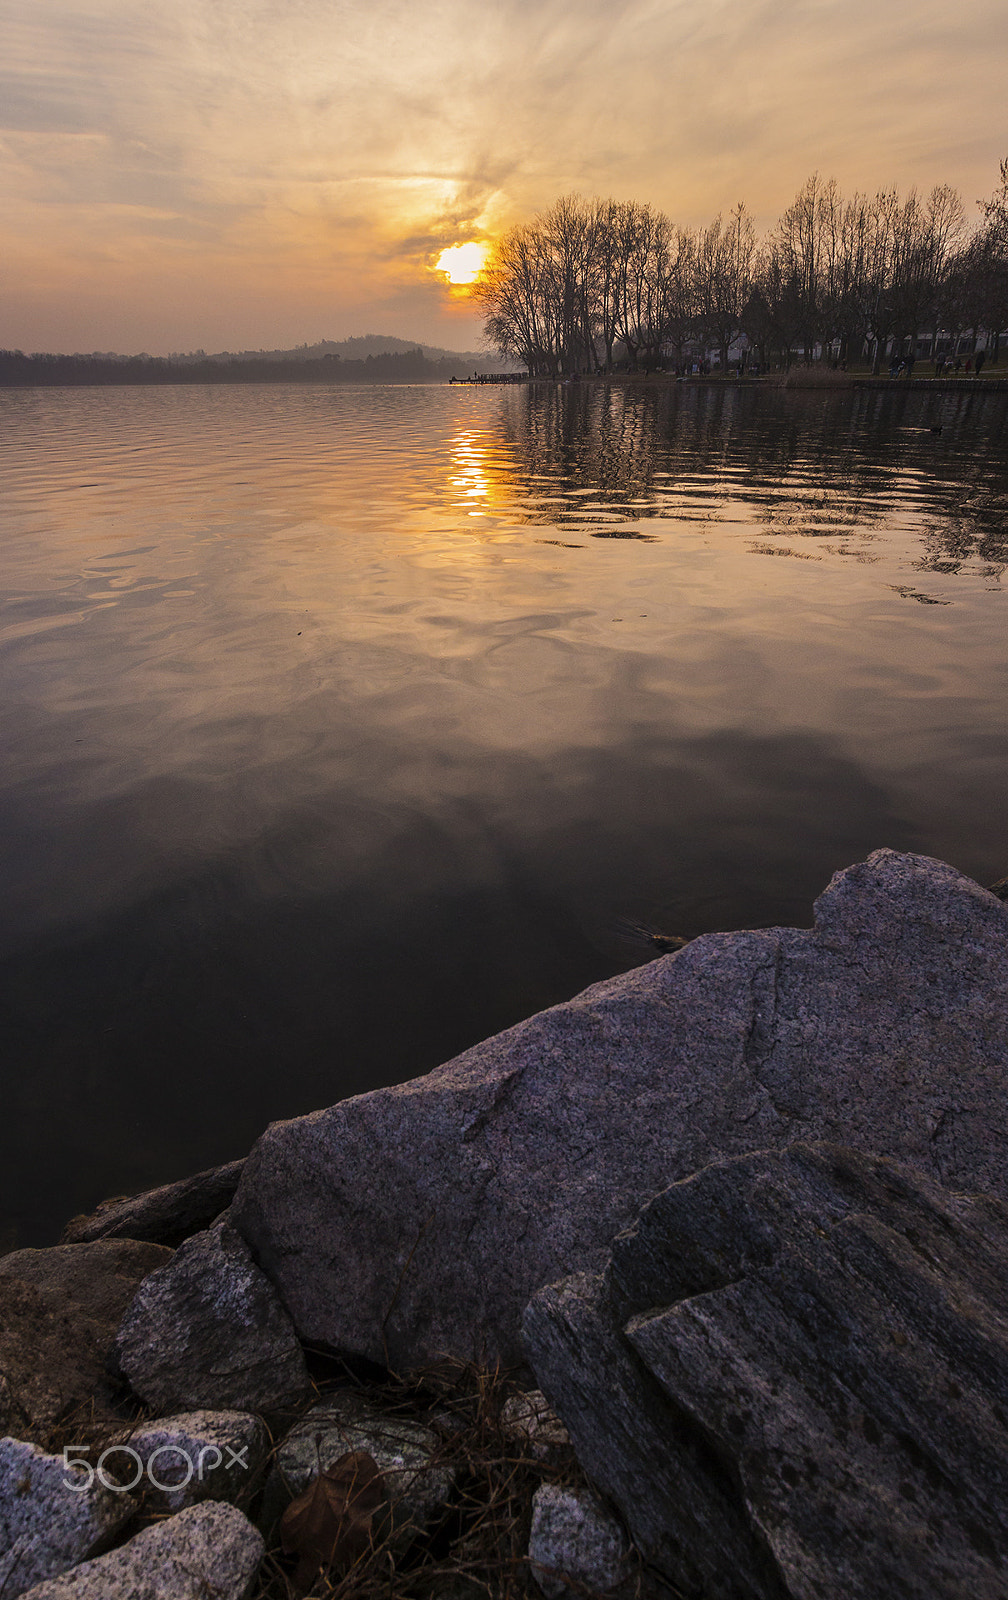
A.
x: 404, y: 1449
x: 575, y: 1544
x: 201, y: 1455
x: 51, y: 1517
x: 529, y: 1416
x: 207, y: 1550
x: 208, y: 1330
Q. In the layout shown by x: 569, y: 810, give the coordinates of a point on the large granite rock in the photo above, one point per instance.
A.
x: 208, y: 1330
x: 792, y: 1380
x: 51, y: 1516
x: 166, y: 1215
x: 47, y: 1369
x: 208, y: 1552
x: 418, y: 1220
x: 51, y: 1369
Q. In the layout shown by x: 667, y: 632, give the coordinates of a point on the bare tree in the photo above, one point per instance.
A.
x: 723, y: 278
x: 514, y: 291
x: 773, y: 313
x: 565, y: 292
x: 799, y: 242
x: 995, y: 260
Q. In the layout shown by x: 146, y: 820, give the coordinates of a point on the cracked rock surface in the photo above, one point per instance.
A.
x: 792, y: 1381
x: 419, y: 1220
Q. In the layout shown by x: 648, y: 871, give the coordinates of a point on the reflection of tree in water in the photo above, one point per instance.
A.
x: 810, y: 466
x: 972, y: 535
x: 967, y: 527
x: 581, y: 438
x: 589, y: 453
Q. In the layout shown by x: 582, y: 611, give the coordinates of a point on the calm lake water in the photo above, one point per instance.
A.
x: 342, y: 728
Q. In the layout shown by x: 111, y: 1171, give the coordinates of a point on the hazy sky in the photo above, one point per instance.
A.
x: 246, y: 173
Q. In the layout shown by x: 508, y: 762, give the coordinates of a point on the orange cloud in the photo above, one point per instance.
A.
x: 214, y: 174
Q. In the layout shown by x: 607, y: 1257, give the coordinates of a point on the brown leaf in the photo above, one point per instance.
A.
x: 330, y: 1522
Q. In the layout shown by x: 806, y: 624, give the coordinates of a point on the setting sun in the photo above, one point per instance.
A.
x: 462, y: 263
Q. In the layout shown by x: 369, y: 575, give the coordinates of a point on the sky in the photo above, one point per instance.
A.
x: 244, y: 174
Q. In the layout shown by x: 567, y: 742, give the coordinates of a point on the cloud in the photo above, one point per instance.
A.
x: 317, y: 154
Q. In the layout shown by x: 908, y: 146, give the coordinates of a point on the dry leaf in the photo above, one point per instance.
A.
x: 330, y: 1523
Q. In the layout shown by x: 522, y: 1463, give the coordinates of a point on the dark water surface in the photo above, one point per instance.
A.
x: 340, y: 728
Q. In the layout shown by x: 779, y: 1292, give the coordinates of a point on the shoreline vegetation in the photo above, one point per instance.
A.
x: 818, y: 376
x: 590, y: 285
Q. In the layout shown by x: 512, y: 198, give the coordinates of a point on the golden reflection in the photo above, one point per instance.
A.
x: 480, y: 474
x: 470, y: 478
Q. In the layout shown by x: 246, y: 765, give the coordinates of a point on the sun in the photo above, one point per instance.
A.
x: 462, y: 263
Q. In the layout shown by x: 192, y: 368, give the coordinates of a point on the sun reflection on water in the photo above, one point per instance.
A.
x: 479, y: 478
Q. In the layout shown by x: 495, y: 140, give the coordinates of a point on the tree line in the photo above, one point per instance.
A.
x: 18, y: 370
x: 592, y: 283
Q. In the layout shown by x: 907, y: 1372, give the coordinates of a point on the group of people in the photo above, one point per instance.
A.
x: 944, y: 365
x: 973, y: 363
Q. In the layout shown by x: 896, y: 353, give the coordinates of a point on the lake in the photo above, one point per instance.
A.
x: 343, y: 727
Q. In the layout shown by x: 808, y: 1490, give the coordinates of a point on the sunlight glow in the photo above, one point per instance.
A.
x: 462, y: 263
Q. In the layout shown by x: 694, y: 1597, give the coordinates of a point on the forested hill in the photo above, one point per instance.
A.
x: 400, y: 366
x: 357, y: 348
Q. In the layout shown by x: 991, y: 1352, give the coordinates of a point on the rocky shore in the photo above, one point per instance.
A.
x: 694, y: 1286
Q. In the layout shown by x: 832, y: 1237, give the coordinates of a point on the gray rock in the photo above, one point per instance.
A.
x: 529, y: 1418
x: 681, y: 1511
x: 166, y: 1215
x: 575, y: 1543
x: 208, y: 1330
x: 417, y: 1221
x: 46, y: 1526
x: 201, y: 1455
x: 806, y: 1350
x: 404, y: 1448
x: 207, y: 1550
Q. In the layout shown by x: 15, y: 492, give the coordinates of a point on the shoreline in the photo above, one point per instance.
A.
x: 797, y: 378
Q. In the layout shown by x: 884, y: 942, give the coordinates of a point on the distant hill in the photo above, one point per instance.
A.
x: 308, y: 364
x: 359, y: 348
